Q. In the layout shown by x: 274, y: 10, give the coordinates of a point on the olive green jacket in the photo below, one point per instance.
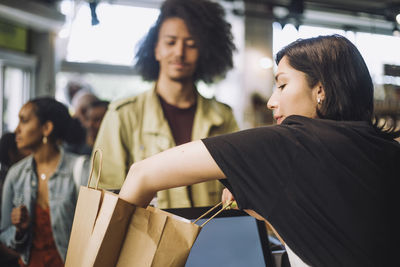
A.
x: 135, y: 128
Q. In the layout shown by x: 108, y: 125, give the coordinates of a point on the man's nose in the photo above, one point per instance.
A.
x: 180, y: 49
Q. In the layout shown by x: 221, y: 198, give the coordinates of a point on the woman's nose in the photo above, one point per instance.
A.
x: 17, y: 129
x: 273, y: 101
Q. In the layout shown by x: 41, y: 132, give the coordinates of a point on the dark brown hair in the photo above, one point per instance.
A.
x: 205, y: 21
x: 337, y: 64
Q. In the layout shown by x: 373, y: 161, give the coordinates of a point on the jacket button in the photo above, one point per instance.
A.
x: 163, y: 143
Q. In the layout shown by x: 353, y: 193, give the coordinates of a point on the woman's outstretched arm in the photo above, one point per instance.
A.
x: 186, y: 164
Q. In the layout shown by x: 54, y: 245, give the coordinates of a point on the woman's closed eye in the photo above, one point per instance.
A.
x: 281, y: 87
x: 23, y: 120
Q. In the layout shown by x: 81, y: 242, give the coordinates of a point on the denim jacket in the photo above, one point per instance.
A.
x: 21, y: 188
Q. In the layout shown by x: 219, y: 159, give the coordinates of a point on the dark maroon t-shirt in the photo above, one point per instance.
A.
x: 180, y: 121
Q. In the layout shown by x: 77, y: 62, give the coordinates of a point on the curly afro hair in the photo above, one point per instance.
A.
x: 212, y: 34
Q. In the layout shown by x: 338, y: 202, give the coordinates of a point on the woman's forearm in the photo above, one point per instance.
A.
x: 135, y: 190
x: 186, y: 164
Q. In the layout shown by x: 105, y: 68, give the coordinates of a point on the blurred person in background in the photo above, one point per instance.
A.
x: 72, y: 88
x: 94, y: 116
x: 190, y: 42
x: 81, y: 102
x: 9, y: 154
x: 43, y: 185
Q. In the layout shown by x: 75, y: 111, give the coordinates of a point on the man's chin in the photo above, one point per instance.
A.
x: 180, y: 76
x: 181, y: 79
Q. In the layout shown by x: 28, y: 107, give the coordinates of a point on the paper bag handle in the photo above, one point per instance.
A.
x: 92, y: 167
x: 224, y: 207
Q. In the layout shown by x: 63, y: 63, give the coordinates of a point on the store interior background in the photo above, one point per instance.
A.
x: 46, y: 43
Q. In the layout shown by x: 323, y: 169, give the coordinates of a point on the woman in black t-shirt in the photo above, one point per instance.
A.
x: 324, y: 177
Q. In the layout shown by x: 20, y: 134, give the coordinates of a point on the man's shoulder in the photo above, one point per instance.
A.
x: 122, y: 103
x: 127, y: 102
x: 219, y: 107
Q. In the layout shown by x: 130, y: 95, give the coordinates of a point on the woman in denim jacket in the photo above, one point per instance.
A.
x: 40, y: 192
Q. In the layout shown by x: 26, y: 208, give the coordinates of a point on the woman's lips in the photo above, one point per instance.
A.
x: 279, y: 119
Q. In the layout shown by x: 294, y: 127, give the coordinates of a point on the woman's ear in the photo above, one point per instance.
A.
x: 320, y: 92
x: 47, y: 128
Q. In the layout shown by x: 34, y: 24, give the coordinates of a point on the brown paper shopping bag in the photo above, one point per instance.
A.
x: 99, y: 227
x: 156, y: 238
x: 108, y: 231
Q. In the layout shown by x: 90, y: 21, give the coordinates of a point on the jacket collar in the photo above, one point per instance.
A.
x: 206, y: 116
x: 153, y: 115
x: 61, y: 167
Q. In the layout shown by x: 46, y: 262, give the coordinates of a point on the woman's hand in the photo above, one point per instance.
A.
x: 228, y: 197
x: 20, y: 218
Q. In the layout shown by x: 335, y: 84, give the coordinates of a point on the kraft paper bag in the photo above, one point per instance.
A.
x: 108, y: 231
x: 176, y: 242
x: 157, y: 238
x: 84, y: 219
x: 99, y: 227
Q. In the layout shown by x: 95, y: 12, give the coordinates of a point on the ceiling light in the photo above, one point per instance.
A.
x: 266, y: 63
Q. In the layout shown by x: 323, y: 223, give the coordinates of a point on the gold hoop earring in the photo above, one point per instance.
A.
x: 44, y: 140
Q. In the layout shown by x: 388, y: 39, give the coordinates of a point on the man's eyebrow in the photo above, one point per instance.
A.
x: 176, y: 37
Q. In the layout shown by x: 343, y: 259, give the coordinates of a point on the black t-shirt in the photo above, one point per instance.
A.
x: 330, y: 188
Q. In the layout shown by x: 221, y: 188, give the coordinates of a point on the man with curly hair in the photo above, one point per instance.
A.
x: 189, y: 42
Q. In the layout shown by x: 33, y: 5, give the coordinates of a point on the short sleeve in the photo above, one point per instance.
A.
x: 326, y: 186
x: 256, y: 163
